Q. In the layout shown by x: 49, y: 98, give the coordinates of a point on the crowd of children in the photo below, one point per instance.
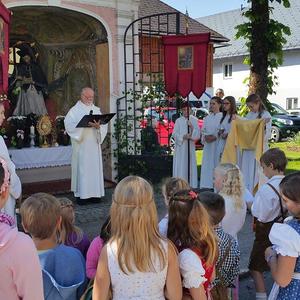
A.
x: 192, y: 253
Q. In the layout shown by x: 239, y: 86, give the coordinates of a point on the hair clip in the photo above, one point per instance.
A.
x: 193, y: 195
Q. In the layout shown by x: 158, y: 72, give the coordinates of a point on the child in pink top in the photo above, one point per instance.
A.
x: 95, y: 248
x: 21, y: 275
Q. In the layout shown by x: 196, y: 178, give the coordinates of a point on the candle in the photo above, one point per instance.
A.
x: 32, y: 129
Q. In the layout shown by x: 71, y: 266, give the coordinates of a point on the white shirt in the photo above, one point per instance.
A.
x: 266, y: 206
x: 191, y: 269
x: 285, y: 240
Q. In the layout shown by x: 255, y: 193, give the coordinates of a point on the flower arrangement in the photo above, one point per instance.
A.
x: 18, y: 127
x: 18, y: 121
x: 20, y: 134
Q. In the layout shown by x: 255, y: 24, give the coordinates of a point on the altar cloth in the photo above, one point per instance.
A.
x: 28, y: 158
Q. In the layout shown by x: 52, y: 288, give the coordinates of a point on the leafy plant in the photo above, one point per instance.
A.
x: 127, y: 127
x: 265, y: 38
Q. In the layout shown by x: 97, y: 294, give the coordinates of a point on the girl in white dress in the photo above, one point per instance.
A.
x: 228, y: 183
x: 210, y: 140
x: 249, y: 166
x: 136, y: 262
x: 170, y: 187
x: 229, y: 114
x: 283, y: 257
x: 189, y: 228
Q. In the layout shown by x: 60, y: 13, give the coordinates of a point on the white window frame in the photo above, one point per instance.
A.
x: 228, y: 66
x: 294, y: 103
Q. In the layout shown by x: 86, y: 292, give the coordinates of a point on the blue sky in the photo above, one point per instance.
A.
x: 200, y: 8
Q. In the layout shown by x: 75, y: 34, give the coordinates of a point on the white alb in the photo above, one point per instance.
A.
x: 87, y: 169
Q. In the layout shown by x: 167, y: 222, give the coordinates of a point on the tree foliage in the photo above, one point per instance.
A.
x: 265, y: 39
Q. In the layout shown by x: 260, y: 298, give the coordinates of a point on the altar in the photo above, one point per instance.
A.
x: 35, y: 157
x: 43, y: 169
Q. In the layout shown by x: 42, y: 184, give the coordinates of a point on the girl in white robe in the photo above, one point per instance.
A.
x: 210, y: 140
x: 15, y: 183
x: 182, y: 138
x: 249, y: 166
x: 229, y: 114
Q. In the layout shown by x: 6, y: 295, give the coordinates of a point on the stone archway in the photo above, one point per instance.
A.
x: 73, y: 43
x: 68, y: 43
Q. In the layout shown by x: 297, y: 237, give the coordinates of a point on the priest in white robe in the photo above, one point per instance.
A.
x: 87, y: 167
x: 210, y: 159
x: 182, y: 137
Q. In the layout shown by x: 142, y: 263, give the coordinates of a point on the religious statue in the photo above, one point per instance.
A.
x: 29, y: 82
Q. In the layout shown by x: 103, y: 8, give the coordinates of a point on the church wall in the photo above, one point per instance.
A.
x: 115, y: 16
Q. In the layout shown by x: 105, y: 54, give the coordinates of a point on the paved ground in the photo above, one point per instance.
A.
x: 90, y: 218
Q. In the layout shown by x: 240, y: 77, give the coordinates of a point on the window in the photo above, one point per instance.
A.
x: 227, y: 70
x: 291, y: 103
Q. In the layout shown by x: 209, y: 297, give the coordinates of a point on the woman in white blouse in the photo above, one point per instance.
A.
x: 210, y: 140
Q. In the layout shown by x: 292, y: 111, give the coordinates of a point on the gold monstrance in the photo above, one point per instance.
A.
x: 44, y: 127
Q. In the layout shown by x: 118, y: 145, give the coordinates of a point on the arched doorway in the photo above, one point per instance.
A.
x: 68, y: 44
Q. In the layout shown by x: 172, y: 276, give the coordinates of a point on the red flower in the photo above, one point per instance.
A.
x: 193, y: 195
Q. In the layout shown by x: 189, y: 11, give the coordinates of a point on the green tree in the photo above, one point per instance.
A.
x: 265, y: 39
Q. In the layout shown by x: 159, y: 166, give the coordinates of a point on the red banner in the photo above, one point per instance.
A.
x: 4, y: 47
x: 185, y: 63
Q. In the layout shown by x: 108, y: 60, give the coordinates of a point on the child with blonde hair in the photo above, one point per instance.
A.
x: 21, y: 276
x: 228, y: 182
x: 191, y: 231
x: 63, y: 267
x: 70, y: 234
x: 170, y: 187
x: 136, y: 262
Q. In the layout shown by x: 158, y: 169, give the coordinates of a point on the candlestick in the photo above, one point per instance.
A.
x: 32, y: 130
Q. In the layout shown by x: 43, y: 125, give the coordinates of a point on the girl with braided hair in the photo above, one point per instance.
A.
x: 228, y: 182
x: 189, y: 228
